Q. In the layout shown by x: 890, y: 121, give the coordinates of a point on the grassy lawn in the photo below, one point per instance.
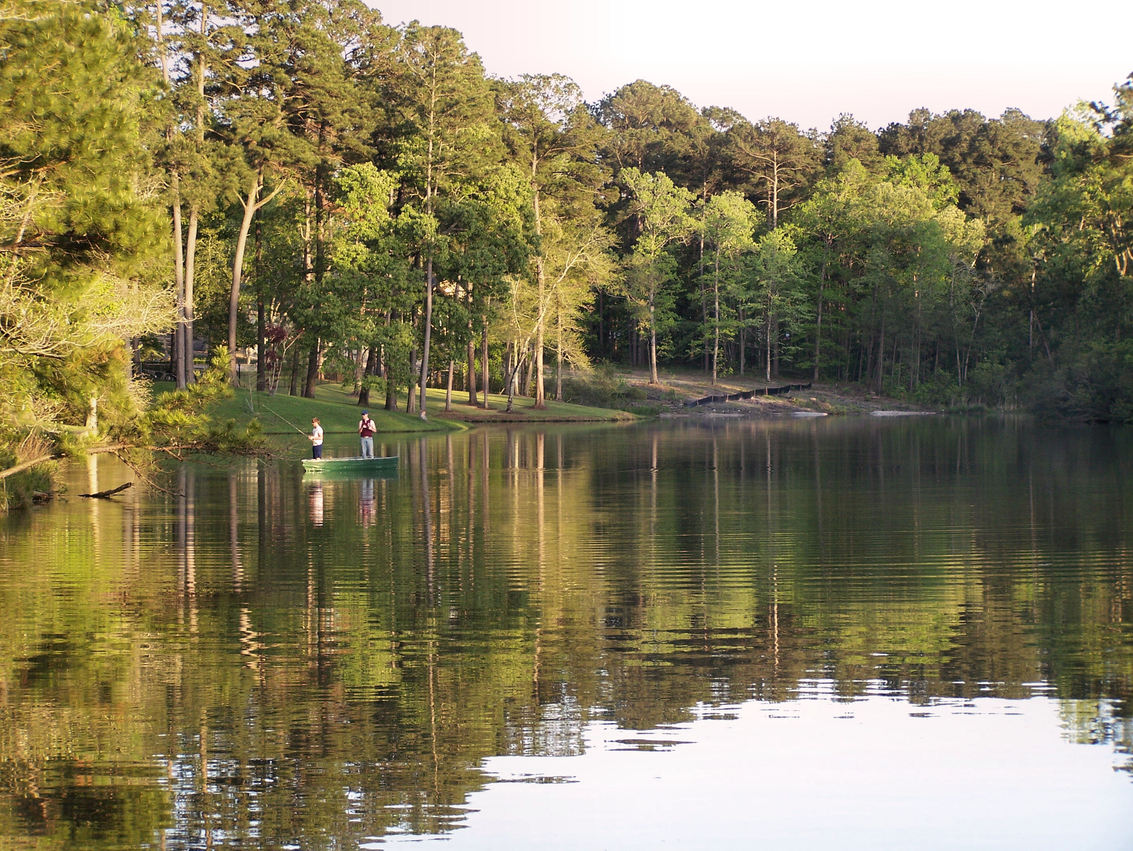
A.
x: 338, y: 412
x: 523, y: 410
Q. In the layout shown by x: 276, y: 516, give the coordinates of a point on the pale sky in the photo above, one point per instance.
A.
x: 806, y: 62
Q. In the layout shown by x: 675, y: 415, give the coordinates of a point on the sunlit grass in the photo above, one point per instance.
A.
x: 338, y: 412
x: 522, y: 410
x: 336, y: 409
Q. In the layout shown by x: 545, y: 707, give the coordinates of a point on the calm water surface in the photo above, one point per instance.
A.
x: 837, y: 633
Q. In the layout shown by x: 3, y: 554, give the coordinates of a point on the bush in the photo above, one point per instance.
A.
x: 1094, y: 384
x: 180, y: 419
x: 20, y: 489
x: 603, y: 387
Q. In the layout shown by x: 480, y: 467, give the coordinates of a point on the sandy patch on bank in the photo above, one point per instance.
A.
x: 675, y: 391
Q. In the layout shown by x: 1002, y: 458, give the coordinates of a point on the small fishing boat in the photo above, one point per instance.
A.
x: 351, y: 466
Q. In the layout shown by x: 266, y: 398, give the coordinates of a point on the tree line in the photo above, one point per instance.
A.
x: 349, y: 198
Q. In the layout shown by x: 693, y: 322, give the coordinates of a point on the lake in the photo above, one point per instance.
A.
x: 848, y: 632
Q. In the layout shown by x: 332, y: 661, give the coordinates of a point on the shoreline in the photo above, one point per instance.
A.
x: 669, y: 398
x: 675, y: 390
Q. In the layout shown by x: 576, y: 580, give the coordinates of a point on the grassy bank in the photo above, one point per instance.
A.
x: 338, y: 412
x: 607, y: 394
x: 601, y: 396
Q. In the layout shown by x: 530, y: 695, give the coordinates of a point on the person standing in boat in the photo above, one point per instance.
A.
x: 366, y: 429
x: 316, y: 438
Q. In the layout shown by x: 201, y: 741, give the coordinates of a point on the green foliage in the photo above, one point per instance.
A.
x: 1096, y: 385
x: 366, y: 198
x: 602, y: 387
x: 990, y: 383
x: 80, y: 221
x: 19, y: 490
x: 663, y: 214
x: 1082, y: 294
x: 925, y: 173
x: 181, y: 419
x: 775, y: 161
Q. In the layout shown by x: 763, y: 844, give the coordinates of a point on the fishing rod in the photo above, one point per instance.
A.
x: 270, y: 411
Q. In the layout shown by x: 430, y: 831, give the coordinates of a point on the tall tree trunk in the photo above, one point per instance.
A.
x: 767, y: 332
x: 261, y: 325
x: 178, y: 274
x: 189, y: 311
x: 704, y: 293
x: 527, y: 386
x: 312, y: 370
x: 716, y: 317
x: 775, y: 370
x: 293, y: 385
x: 484, y: 359
x: 818, y: 320
x: 429, y: 284
x: 261, y: 313
x: 742, y: 341
x: 320, y: 212
x: 250, y: 207
x: 369, y: 360
x: 411, y: 397
x: 653, y: 379
x: 183, y: 251
x: 541, y: 313
x: 774, y: 210
x: 194, y: 210
x: 558, y: 356
x: 513, y: 375
x: 471, y: 353
x: 359, y: 370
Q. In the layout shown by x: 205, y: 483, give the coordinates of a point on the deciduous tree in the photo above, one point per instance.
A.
x: 448, y: 138
x: 664, y: 212
x: 726, y: 224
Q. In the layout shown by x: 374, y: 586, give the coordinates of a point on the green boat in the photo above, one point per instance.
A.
x: 383, y: 464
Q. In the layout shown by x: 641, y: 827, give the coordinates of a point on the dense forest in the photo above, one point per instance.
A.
x: 326, y: 196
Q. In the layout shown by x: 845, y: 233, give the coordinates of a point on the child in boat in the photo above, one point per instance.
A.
x: 316, y: 438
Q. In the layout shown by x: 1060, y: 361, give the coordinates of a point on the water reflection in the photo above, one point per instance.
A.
x: 366, y: 503
x: 315, y: 493
x: 259, y: 658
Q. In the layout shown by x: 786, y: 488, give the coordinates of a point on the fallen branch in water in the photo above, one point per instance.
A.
x: 141, y: 474
x: 108, y: 493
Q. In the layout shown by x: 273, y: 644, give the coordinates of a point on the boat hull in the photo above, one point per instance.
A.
x: 385, y: 464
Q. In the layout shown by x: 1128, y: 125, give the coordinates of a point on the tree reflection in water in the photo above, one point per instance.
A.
x: 244, y: 664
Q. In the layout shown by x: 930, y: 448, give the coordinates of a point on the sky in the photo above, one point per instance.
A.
x: 806, y: 62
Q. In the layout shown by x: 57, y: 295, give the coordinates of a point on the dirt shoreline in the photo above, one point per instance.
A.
x: 675, y: 393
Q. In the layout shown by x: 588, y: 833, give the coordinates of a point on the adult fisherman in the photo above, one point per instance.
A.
x: 366, y: 429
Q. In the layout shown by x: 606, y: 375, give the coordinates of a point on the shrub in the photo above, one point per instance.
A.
x: 602, y: 387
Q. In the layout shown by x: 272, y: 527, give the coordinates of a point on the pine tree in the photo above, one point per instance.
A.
x: 449, y: 140
x: 80, y: 221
